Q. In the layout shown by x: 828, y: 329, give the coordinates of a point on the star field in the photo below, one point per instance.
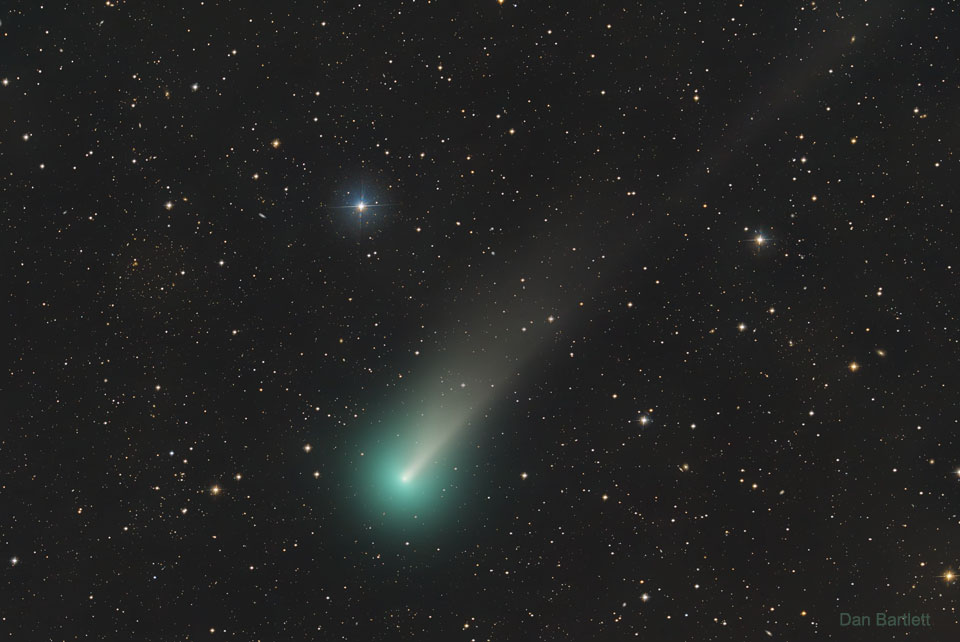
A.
x: 491, y: 321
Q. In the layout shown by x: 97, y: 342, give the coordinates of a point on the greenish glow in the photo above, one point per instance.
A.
x: 410, y: 473
x: 390, y: 493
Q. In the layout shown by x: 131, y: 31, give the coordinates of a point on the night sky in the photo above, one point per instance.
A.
x: 445, y: 321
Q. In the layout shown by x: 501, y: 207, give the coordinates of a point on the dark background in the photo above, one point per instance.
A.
x: 651, y: 144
